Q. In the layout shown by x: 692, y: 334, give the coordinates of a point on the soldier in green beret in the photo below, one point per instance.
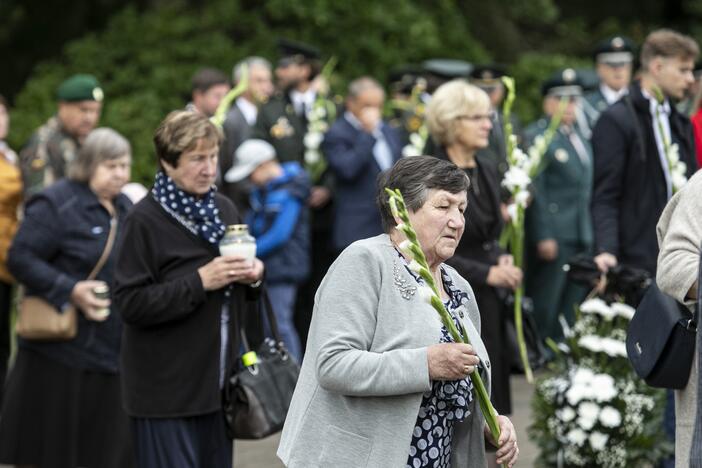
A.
x: 558, y: 223
x: 45, y: 157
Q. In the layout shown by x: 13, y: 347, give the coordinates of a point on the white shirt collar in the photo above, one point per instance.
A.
x: 612, y: 96
x: 299, y: 98
x: 249, y: 110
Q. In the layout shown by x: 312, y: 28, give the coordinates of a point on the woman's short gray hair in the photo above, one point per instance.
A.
x: 449, y: 101
x: 102, y: 144
x: 414, y: 177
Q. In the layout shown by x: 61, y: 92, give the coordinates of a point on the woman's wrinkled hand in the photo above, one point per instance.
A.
x: 451, y: 361
x: 223, y: 271
x: 507, y: 449
x: 82, y: 297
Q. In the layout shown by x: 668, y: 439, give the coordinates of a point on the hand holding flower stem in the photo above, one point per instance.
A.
x: 413, y: 250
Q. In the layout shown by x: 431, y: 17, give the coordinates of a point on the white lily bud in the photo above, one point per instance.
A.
x: 393, y: 207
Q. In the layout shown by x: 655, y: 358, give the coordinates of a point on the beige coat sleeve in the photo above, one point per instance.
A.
x: 679, y: 237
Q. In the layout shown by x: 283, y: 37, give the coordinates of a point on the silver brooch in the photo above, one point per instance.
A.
x: 406, y: 290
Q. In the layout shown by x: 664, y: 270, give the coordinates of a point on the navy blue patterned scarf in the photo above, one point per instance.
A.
x: 199, y: 215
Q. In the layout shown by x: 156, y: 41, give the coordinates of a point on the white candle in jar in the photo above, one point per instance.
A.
x: 242, y: 249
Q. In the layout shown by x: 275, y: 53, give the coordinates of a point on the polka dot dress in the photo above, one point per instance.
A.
x: 444, y: 404
x: 199, y: 215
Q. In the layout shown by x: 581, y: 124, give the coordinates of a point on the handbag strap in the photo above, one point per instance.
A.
x: 265, y: 303
x: 108, y: 245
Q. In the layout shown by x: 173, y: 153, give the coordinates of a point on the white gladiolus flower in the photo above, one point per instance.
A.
x: 313, y: 140
x: 598, y: 441
x: 623, y: 310
x: 425, y: 293
x: 566, y: 414
x: 312, y: 156
x: 393, y: 207
x: 515, y: 178
x: 410, y: 150
x: 415, y: 266
x: 610, y: 417
x: 512, y: 212
x: 577, y: 436
x: 404, y: 247
x: 521, y: 198
x: 416, y: 140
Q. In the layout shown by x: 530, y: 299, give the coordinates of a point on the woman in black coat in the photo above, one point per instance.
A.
x: 459, y: 120
x: 62, y: 405
x: 177, y: 297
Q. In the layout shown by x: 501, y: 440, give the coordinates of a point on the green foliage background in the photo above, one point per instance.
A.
x: 146, y: 53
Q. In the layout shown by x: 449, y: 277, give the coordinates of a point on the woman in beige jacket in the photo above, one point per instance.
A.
x: 679, y: 237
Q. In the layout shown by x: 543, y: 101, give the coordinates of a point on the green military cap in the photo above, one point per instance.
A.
x: 563, y: 83
x: 81, y: 87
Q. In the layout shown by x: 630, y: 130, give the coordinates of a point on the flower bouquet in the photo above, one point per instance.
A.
x: 322, y: 112
x: 591, y: 409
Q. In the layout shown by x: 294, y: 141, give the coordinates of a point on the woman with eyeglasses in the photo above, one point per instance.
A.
x: 459, y: 120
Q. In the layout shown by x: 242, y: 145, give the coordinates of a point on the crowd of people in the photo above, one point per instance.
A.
x: 139, y: 382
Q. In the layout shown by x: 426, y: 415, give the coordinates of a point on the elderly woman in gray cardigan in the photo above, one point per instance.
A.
x: 382, y: 384
x: 680, y: 237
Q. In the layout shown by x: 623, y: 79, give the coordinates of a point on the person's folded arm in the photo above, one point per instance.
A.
x: 139, y: 296
x: 345, y: 325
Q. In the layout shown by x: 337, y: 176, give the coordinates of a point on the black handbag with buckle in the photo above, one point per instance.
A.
x: 661, y: 339
x: 257, y: 394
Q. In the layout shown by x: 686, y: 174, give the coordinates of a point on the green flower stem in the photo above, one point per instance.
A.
x: 518, y: 254
x: 399, y: 210
x: 221, y: 112
x: 508, y: 82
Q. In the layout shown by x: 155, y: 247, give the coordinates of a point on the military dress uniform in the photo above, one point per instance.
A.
x: 49, y: 151
x: 616, y: 51
x: 560, y: 210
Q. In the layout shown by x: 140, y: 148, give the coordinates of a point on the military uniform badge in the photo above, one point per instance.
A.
x: 282, y: 128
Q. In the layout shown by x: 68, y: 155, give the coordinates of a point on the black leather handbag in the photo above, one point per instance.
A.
x: 661, y: 340
x: 257, y: 394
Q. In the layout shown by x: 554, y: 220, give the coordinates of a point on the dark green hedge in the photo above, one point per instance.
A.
x: 145, y: 60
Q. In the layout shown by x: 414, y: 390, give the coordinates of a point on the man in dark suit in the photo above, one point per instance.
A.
x: 633, y: 179
x: 240, y: 120
x: 358, y: 147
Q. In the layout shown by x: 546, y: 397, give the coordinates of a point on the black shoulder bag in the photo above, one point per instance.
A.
x: 257, y: 393
x: 661, y: 339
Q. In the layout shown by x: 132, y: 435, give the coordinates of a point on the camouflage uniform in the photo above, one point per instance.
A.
x: 45, y: 157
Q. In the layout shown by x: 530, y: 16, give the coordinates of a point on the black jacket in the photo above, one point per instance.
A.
x: 171, y: 342
x: 629, y: 189
x: 60, y: 240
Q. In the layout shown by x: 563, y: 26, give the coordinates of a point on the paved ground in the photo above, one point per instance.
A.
x: 261, y: 454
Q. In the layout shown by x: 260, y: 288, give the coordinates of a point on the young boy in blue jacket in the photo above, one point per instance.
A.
x: 279, y: 221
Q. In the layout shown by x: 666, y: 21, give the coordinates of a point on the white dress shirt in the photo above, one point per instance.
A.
x: 664, y: 110
x: 302, y: 102
x: 249, y: 110
x: 612, y: 96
